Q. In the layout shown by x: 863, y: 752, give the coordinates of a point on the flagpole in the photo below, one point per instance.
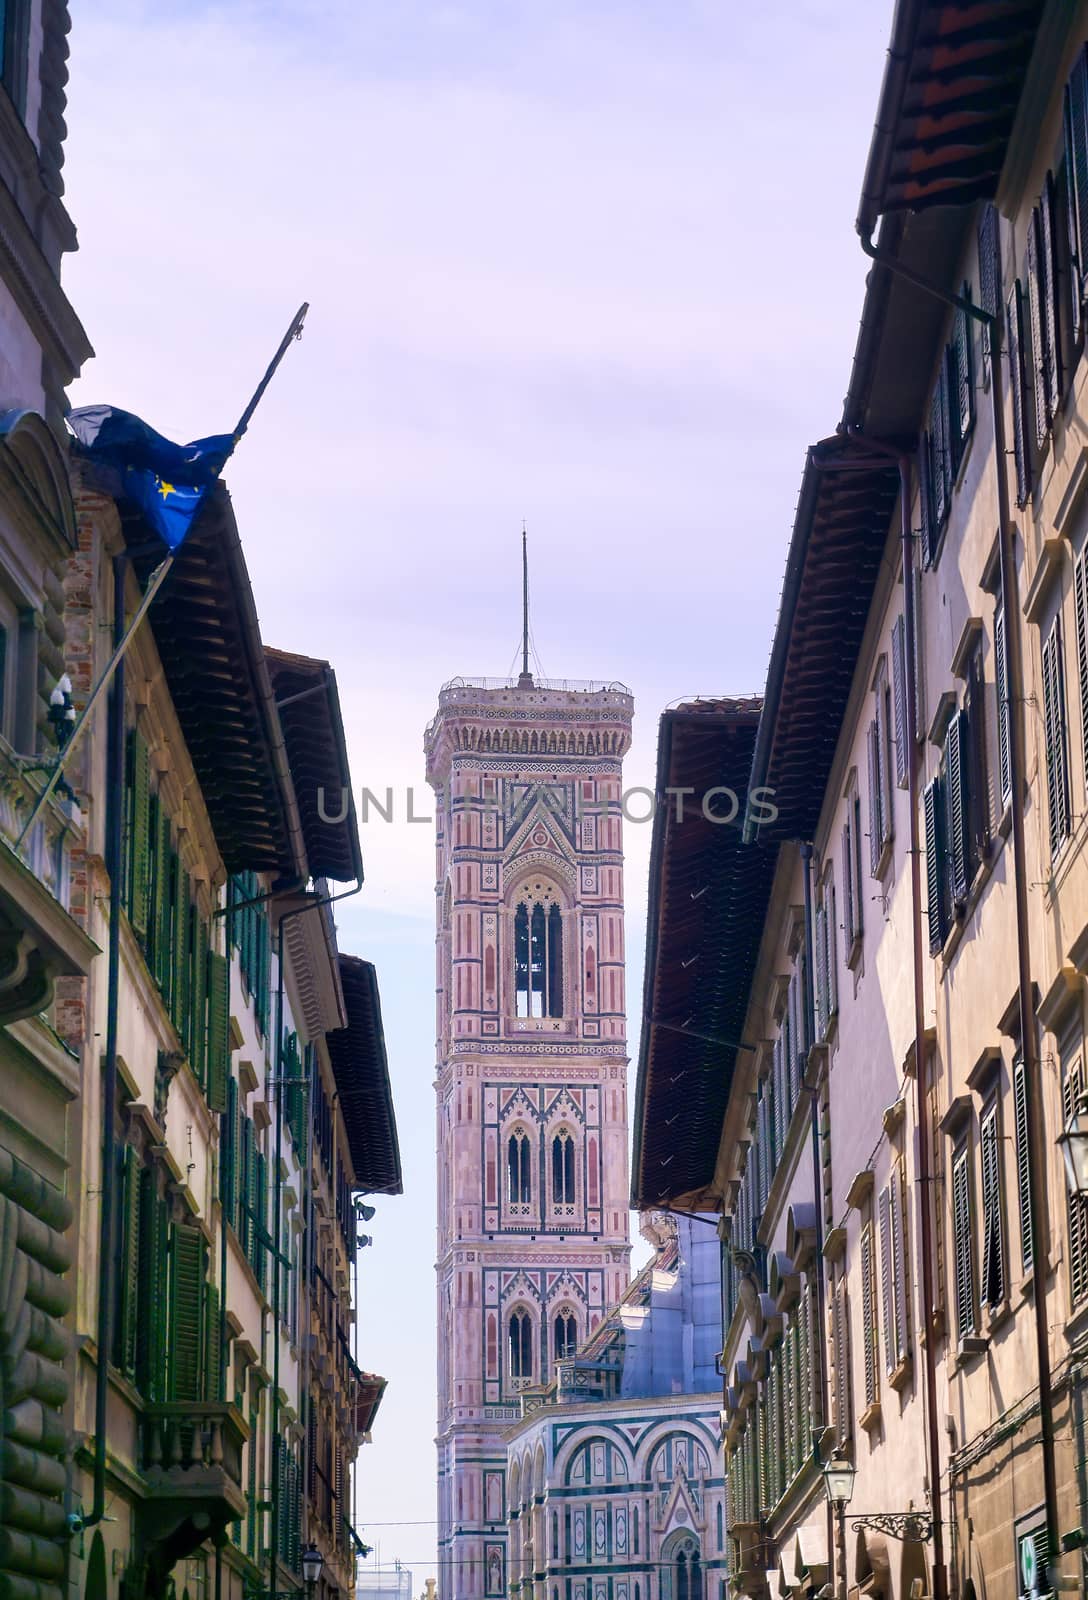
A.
x: 155, y: 583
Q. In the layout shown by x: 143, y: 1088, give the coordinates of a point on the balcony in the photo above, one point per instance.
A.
x: 191, y: 1464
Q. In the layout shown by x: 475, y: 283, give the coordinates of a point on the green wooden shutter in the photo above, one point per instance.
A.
x: 213, y: 1343
x: 259, y: 1255
x: 868, y: 1315
x: 993, y: 1222
x: 183, y: 956
x: 138, y: 842
x: 187, y: 1314
x: 1002, y: 688
x: 1077, y: 1208
x: 218, y: 1029
x: 886, y: 1270
x: 1054, y: 727
x: 130, y: 1263
x: 1023, y: 1188
x: 198, y: 1005
x: 1037, y: 323
x: 1048, y: 278
x: 935, y: 865
x: 899, y: 698
x: 1018, y: 375
x: 963, y: 1243
x: 246, y: 1195
x: 161, y: 904
x: 959, y: 823
x: 228, y: 1155
x: 151, y: 1326
x: 832, y: 950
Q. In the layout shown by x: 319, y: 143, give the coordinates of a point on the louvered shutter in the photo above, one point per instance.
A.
x: 259, y: 1258
x: 139, y: 841
x: 213, y: 1343
x: 1054, y: 730
x: 886, y: 1272
x: 993, y: 1222
x: 183, y: 957
x: 962, y: 1244
x: 130, y: 1262
x: 1080, y: 590
x: 899, y: 696
x: 832, y: 951
x: 1077, y: 1212
x: 901, y: 1275
x: 198, y: 1004
x: 989, y: 269
x: 961, y: 383
x: 1037, y: 329
x: 925, y: 498
x: 840, y: 1345
x: 228, y: 1155
x: 1048, y: 280
x: 1001, y: 673
x: 778, y: 1097
x: 187, y: 1314
x: 1075, y: 141
x: 939, y: 463
x: 1023, y: 1162
x: 875, y: 830
x: 163, y: 889
x: 218, y: 1029
x: 1039, y: 1540
x: 935, y: 866
x: 847, y: 889
x: 958, y: 748
x: 151, y: 1326
x: 820, y: 994
x: 868, y: 1315
x: 1019, y: 385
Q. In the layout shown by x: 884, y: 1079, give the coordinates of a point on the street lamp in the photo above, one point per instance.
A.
x: 839, y: 1474
x: 1073, y: 1144
x: 312, y: 1563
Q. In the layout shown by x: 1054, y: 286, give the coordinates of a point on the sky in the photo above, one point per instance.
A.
x: 588, y: 264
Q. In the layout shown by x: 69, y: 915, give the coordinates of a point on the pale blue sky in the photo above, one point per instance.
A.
x: 587, y: 262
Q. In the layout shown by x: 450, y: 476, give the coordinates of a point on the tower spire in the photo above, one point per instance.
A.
x: 526, y: 679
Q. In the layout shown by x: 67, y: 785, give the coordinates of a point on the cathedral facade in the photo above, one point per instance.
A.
x: 533, y: 1240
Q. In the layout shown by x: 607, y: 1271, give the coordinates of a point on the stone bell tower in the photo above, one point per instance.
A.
x: 533, y: 1243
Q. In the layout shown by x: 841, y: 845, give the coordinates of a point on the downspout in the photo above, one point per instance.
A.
x: 228, y: 933
x: 817, y: 1190
x: 921, y: 1055
x: 1037, y: 1189
x: 114, y: 847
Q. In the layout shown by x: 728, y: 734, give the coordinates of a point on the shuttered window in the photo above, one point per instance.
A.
x: 876, y: 827
x: 869, y: 1330
x: 989, y: 273
x: 958, y: 781
x: 1073, y: 1087
x: 1075, y: 139
x: 840, y: 1348
x: 138, y: 834
x: 1018, y: 373
x: 963, y: 1242
x: 899, y: 681
x: 218, y: 1029
x: 1036, y: 1559
x: 1037, y: 330
x: 961, y: 384
x: 887, y: 1279
x: 901, y: 1296
x: 1054, y: 728
x: 1020, y: 1141
x: 151, y: 1326
x: 993, y: 1211
x: 251, y: 937
x: 1001, y: 674
x: 937, y: 907
x: 1080, y: 596
x: 128, y: 1284
x: 1052, y: 315
x: 187, y: 1313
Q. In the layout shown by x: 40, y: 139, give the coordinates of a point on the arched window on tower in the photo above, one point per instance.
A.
x: 565, y: 1338
x: 518, y: 1170
x: 521, y: 1346
x: 538, y: 956
x: 682, y: 1592
x: 563, y: 1168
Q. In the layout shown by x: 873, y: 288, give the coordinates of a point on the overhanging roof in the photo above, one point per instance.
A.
x: 361, y: 1069
x: 952, y: 85
x: 838, y: 543
x: 313, y: 728
x: 208, y: 638
x: 708, y: 897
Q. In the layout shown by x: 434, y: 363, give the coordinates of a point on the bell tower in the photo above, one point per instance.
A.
x: 533, y: 1243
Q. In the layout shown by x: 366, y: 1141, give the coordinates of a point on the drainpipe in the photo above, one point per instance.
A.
x: 1029, y: 1045
x: 817, y: 1188
x: 921, y: 1055
x: 114, y: 847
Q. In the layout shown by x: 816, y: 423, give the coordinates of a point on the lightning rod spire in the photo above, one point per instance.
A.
x: 526, y: 679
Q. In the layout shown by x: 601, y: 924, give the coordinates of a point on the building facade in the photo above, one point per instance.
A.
x: 532, y: 1120
x: 902, y: 1037
x: 615, y: 1484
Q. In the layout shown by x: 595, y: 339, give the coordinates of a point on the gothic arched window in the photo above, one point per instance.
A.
x: 565, y: 1337
x: 518, y: 1168
x: 538, y: 955
x: 563, y: 1168
x: 521, y: 1345
x: 682, y: 1592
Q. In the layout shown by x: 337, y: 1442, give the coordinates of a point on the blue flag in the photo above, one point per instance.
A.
x: 167, y: 481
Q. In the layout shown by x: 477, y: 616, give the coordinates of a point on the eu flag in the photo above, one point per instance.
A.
x: 167, y: 481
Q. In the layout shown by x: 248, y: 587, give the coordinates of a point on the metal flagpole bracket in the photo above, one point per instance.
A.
x: 913, y: 1527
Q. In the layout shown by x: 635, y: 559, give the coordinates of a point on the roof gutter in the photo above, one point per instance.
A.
x: 333, y: 697
x: 653, y: 918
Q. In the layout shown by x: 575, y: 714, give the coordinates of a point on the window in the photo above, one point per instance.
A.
x: 538, y: 955
x: 956, y: 807
x: 881, y: 825
x: 563, y: 1170
x: 1075, y: 141
x: 943, y: 445
x: 519, y: 1171
x: 894, y: 1272
x: 1001, y: 675
x: 1021, y: 427
x: 521, y: 1346
x: 840, y: 1355
x: 963, y: 1245
x: 899, y: 680
x: 1054, y: 730
x: 1073, y: 1087
x: 565, y: 1336
x: 851, y: 876
x: 989, y: 276
x: 993, y: 1218
x: 826, y: 995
